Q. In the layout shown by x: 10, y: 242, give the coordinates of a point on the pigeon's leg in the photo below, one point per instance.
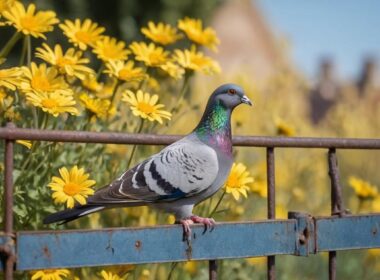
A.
x: 186, y: 227
x: 208, y: 222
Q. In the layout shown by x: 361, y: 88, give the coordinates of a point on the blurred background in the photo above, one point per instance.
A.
x: 311, y: 69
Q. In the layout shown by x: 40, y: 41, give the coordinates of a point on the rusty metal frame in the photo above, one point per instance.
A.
x: 308, y: 231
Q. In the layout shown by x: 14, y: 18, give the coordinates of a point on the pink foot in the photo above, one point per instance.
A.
x: 208, y: 222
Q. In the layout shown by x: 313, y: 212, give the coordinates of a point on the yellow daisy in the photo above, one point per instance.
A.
x: 29, y: 22
x: 161, y: 33
x: 238, y: 180
x: 53, y: 103
x: 99, y: 107
x: 195, y: 32
x: 109, y: 275
x: 25, y: 143
x: 51, y: 274
x: 144, y: 105
x: 173, y: 70
x: 284, y: 128
x: 81, y: 34
x: 72, y: 186
x: 150, y: 54
x: 10, y: 78
x: 124, y: 71
x: 109, y: 48
x: 91, y: 83
x: 363, y: 189
x: 5, y: 5
x: 69, y: 63
x: 196, y: 61
x: 40, y: 78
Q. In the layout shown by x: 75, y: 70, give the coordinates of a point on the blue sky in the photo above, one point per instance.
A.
x: 346, y: 31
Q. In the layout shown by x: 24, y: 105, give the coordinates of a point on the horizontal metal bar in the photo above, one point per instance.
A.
x: 348, y: 232
x: 152, y: 244
x: 153, y: 139
x: 303, y: 235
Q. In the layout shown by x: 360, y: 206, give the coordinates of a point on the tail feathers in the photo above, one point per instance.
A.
x: 72, y: 214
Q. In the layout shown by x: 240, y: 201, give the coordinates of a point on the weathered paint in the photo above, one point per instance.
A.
x: 50, y: 249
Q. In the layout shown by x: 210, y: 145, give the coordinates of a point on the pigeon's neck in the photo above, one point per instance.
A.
x: 214, y: 128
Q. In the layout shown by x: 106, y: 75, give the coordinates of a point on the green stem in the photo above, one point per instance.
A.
x: 10, y: 44
x: 29, y: 50
x: 24, y: 50
x: 217, y: 205
x: 135, y: 146
x: 100, y: 70
x: 182, y: 93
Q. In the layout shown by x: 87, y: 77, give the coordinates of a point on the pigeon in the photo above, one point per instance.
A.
x: 181, y: 175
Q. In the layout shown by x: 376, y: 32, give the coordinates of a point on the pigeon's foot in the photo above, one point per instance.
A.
x: 208, y: 222
x: 186, y: 227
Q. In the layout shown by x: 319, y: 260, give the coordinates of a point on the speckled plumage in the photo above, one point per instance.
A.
x: 182, y: 174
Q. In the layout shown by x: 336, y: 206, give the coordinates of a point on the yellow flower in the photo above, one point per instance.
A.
x: 363, y: 189
x: 25, y: 143
x: 99, y: 107
x: 283, y: 128
x: 5, y: 5
x: 39, y: 79
x: 83, y: 34
x: 125, y: 71
x: 91, y: 83
x: 145, y: 275
x: 173, y: 70
x: 109, y: 48
x: 29, y: 22
x: 109, y: 275
x: 195, y: 32
x: 144, y: 105
x: 53, y: 103
x: 260, y: 187
x: 161, y: 33
x: 196, y: 61
x: 258, y: 261
x: 191, y: 267
x: 51, y: 274
x: 237, y: 181
x: 69, y: 63
x: 10, y: 78
x: 72, y: 186
x: 150, y: 54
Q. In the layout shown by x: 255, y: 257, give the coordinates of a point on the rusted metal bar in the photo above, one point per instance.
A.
x: 336, y: 203
x: 213, y: 270
x: 8, y: 201
x: 152, y: 139
x: 271, y: 205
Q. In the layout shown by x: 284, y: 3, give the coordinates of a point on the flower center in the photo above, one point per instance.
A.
x: 71, y: 189
x: 29, y: 22
x: 63, y: 61
x: 84, y: 37
x: 49, y: 103
x: 41, y: 82
x: 233, y: 181
x: 124, y: 73
x: 111, y: 52
x: 145, y: 108
x: 156, y: 58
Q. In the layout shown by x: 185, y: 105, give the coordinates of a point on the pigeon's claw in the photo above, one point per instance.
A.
x: 208, y: 222
x: 186, y: 227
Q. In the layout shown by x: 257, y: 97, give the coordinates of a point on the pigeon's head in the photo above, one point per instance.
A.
x: 230, y: 95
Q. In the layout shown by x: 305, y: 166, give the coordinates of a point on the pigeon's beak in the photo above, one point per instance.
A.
x: 246, y: 100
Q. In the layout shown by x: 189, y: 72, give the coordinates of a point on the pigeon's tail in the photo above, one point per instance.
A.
x: 72, y: 214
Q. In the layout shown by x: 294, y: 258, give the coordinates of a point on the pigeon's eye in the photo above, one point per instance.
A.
x: 232, y: 91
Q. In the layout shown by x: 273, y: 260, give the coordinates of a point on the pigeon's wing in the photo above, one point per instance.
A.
x: 182, y: 169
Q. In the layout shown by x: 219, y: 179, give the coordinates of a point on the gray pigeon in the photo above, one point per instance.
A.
x: 181, y: 175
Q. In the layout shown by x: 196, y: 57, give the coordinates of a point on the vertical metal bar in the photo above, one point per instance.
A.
x: 8, y: 198
x: 336, y: 203
x: 271, y: 270
x: 213, y: 269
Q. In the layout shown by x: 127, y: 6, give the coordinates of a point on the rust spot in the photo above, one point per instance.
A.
x: 374, y: 230
x: 47, y: 253
x: 138, y: 245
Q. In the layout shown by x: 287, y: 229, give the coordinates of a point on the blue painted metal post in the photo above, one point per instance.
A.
x: 271, y: 270
x: 213, y: 270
